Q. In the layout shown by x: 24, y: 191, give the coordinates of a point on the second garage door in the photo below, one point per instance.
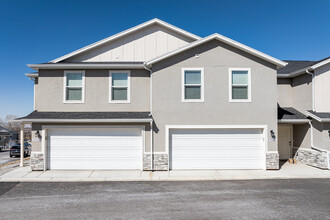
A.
x: 94, y: 148
x: 217, y: 149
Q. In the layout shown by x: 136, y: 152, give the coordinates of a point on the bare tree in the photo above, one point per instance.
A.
x: 7, y: 123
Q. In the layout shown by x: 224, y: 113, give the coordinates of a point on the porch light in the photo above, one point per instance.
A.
x: 272, y: 134
x: 37, y: 134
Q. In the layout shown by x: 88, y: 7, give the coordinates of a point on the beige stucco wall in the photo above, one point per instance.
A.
x: 216, y: 58
x: 284, y: 92
x: 301, y: 136
x: 322, y: 88
x: 49, y: 92
x: 36, y: 145
x: 302, y: 93
x: 295, y: 92
x: 321, y: 137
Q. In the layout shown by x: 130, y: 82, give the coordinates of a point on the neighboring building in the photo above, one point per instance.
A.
x: 305, y: 85
x: 156, y: 97
x: 7, y: 137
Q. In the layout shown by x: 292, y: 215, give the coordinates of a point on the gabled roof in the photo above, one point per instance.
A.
x: 224, y: 39
x: 121, y: 34
x: 290, y: 115
x: 294, y: 65
x: 299, y: 67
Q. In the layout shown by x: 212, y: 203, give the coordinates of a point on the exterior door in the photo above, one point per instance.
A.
x: 285, y: 141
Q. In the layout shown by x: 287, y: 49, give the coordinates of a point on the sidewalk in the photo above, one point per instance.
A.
x: 287, y: 171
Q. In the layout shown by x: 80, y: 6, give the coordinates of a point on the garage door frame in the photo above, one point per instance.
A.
x: 46, y: 128
x: 172, y: 127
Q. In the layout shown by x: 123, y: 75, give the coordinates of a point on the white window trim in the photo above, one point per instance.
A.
x: 230, y: 85
x: 128, y: 86
x: 83, y: 87
x: 183, y: 85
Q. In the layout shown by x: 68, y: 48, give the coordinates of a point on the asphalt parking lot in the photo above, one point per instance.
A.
x: 253, y: 199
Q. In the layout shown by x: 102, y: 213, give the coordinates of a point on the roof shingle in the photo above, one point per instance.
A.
x: 87, y: 115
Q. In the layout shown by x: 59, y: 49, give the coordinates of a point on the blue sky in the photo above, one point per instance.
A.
x: 34, y: 31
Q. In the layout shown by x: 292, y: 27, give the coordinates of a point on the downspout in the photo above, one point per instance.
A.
x: 313, y: 107
x: 151, y: 123
x: 34, y: 92
x: 313, y: 88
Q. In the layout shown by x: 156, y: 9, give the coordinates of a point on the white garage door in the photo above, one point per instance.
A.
x: 94, y: 148
x: 217, y: 149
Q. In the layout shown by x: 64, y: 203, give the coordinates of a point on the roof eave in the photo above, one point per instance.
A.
x: 85, y: 66
x: 310, y: 114
x: 83, y: 120
x: 293, y: 121
x: 317, y: 65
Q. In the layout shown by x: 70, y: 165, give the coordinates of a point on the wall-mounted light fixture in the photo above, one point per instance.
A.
x: 272, y: 134
x: 37, y: 134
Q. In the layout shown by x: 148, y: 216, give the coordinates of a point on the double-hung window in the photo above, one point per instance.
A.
x: 193, y: 85
x: 119, y: 87
x: 74, y: 83
x: 239, y: 85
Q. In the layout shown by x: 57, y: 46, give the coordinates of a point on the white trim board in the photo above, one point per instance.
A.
x: 226, y: 40
x: 126, y: 32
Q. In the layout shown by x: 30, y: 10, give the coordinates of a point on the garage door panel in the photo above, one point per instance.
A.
x: 217, y: 149
x: 95, y: 148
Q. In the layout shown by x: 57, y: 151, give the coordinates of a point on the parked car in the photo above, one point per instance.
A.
x: 16, y: 150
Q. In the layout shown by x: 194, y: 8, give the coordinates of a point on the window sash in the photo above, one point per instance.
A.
x: 119, y: 81
x: 76, y: 85
x: 242, y: 92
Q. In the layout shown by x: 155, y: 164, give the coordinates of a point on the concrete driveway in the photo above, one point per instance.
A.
x: 253, y: 199
x: 287, y: 171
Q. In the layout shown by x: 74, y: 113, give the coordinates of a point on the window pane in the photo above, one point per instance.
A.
x: 74, y: 79
x: 240, y: 77
x: 74, y: 94
x: 119, y: 94
x: 192, y: 77
x: 239, y: 92
x: 119, y: 79
x: 192, y: 92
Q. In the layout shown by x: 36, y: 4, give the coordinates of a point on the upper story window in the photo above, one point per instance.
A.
x: 119, y: 86
x: 193, y: 85
x: 239, y: 85
x: 74, y: 86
